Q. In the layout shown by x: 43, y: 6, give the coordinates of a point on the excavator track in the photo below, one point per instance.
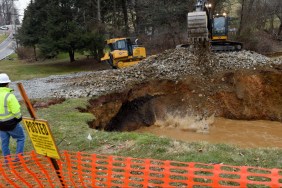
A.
x: 225, y: 46
x: 197, y: 27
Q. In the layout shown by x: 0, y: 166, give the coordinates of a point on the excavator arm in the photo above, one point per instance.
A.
x: 206, y: 32
x: 198, y: 23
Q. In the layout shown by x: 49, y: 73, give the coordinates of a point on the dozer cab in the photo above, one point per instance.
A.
x: 121, y: 53
x: 212, y: 30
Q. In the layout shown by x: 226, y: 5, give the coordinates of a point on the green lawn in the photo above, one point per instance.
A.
x: 3, y: 37
x: 21, y: 70
x: 70, y: 130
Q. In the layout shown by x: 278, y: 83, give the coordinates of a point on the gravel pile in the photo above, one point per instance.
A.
x: 172, y: 64
x: 277, y: 61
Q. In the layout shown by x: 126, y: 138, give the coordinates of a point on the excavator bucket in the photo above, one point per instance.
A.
x: 197, y: 27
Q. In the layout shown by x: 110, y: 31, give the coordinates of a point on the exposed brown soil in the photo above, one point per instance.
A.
x: 47, y: 103
x: 240, y: 94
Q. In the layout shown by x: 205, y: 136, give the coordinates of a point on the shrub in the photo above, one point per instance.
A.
x: 25, y: 53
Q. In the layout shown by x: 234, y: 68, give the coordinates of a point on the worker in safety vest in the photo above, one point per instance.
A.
x: 10, y: 117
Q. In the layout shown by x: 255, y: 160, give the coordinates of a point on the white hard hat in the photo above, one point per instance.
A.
x: 4, y: 78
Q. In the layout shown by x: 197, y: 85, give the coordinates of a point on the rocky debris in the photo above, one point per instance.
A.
x: 277, y: 63
x: 173, y: 64
x: 44, y: 87
x: 236, y: 85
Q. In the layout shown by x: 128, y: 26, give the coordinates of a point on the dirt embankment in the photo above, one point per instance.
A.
x: 241, y: 85
x: 242, y: 94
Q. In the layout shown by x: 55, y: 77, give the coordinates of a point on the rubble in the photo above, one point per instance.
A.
x: 173, y: 64
x: 178, y: 82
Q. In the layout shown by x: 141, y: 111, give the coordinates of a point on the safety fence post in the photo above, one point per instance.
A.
x: 34, y: 116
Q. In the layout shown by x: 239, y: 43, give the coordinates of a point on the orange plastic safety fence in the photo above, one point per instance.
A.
x: 92, y: 170
x: 30, y: 170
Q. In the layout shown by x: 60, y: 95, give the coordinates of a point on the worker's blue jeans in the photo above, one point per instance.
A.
x: 18, y: 134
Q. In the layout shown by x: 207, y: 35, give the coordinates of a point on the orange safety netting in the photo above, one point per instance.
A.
x: 92, y: 170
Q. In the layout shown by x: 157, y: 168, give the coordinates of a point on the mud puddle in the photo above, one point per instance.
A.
x: 245, y: 134
x: 186, y: 109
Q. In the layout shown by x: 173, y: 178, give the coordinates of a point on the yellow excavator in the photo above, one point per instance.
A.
x: 122, y: 52
x: 204, y: 28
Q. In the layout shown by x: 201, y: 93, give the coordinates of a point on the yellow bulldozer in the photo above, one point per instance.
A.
x: 122, y: 52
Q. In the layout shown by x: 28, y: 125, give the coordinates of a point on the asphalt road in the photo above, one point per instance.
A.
x: 8, y: 46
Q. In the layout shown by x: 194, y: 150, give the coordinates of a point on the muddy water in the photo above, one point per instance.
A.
x: 245, y: 134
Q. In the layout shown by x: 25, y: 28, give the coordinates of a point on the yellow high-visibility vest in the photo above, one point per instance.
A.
x: 9, y: 105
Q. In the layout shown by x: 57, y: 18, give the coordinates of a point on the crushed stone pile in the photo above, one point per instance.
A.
x: 277, y: 61
x: 179, y: 62
x: 173, y: 64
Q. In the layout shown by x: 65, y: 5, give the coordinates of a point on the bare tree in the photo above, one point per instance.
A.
x: 7, y: 9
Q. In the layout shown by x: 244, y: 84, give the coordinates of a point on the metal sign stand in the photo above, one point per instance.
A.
x: 34, y: 116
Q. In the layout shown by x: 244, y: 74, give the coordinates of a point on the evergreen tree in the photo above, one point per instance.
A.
x: 32, y: 28
x: 57, y: 26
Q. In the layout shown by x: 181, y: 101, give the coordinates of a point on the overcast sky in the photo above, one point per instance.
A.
x: 21, y: 5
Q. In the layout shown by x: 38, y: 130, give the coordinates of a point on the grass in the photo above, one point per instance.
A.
x: 70, y: 130
x: 21, y: 70
x: 3, y: 37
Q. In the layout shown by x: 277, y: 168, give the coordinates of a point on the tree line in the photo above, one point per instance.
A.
x: 54, y: 26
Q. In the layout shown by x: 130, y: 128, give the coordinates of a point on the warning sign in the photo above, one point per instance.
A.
x: 41, y: 137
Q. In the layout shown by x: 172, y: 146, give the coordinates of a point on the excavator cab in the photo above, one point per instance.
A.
x: 121, y: 53
x: 219, y: 35
x: 219, y: 27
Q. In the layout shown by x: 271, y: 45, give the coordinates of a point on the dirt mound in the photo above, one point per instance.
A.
x: 173, y: 64
x: 178, y: 82
x: 249, y: 95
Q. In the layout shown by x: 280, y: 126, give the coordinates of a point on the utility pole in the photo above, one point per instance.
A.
x: 13, y: 13
x: 99, y: 10
x: 241, y: 17
x: 14, y: 20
